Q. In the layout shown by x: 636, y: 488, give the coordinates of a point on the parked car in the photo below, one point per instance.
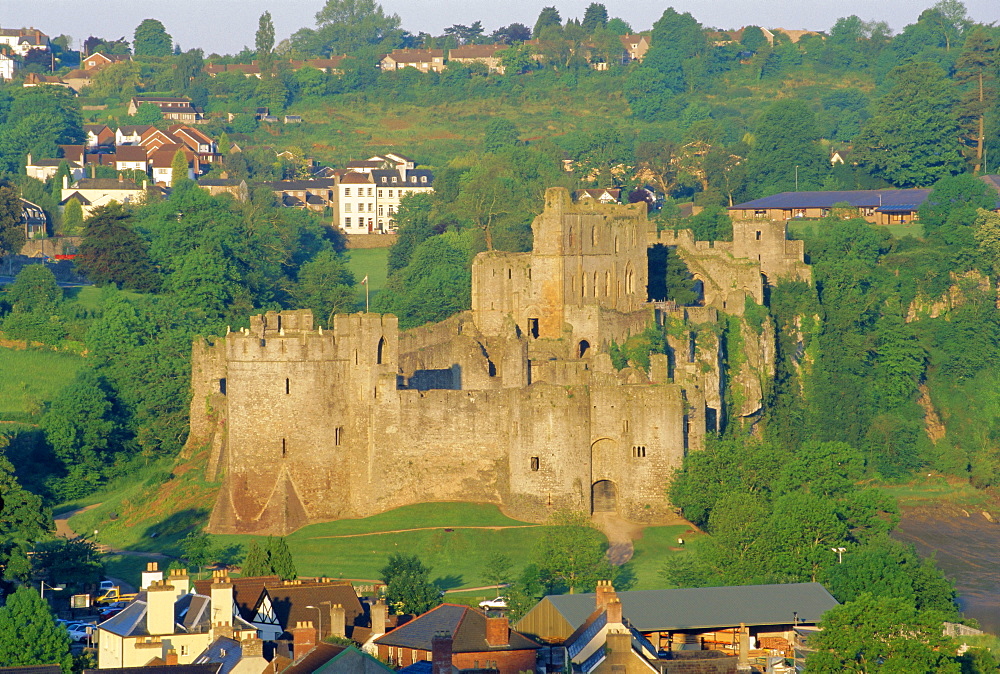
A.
x: 78, y: 632
x: 498, y: 603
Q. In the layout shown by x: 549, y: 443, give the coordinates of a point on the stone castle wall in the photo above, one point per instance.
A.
x: 514, y: 402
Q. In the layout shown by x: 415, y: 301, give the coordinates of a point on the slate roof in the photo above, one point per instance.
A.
x: 705, y: 607
x: 289, y: 185
x: 105, y: 184
x: 212, y: 668
x: 130, y: 153
x: 246, y: 591
x: 889, y: 198
x: 466, y: 625
x: 290, y: 602
x: 224, y: 651
x: 32, y: 669
x: 192, y: 615
x: 476, y: 51
x: 402, y: 180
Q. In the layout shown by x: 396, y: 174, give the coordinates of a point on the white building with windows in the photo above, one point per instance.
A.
x: 370, y: 193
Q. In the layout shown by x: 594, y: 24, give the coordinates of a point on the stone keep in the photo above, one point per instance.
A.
x: 514, y: 402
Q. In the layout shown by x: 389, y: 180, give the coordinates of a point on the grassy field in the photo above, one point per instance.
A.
x: 368, y: 262
x: 937, y: 488
x: 31, y: 377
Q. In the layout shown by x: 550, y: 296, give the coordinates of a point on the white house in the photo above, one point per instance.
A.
x: 370, y: 193
x: 8, y: 67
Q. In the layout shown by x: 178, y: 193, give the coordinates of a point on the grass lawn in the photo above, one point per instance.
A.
x: 368, y: 262
x: 914, y: 229
x: 655, y: 546
x: 937, y: 489
x: 30, y: 377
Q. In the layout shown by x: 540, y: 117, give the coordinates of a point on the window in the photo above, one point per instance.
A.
x: 639, y: 451
x: 347, y: 191
x: 392, y: 209
x: 758, y: 236
x: 384, y: 179
x: 390, y: 194
x: 347, y: 207
x: 184, y: 650
x: 338, y: 436
x: 381, y: 350
x: 534, y: 463
x: 284, y: 448
x: 288, y: 386
x: 423, y: 179
x: 380, y: 194
x: 413, y: 179
x: 625, y: 426
x: 222, y: 386
x: 347, y: 222
x: 533, y: 327
x: 394, y: 179
x: 369, y: 191
x: 380, y: 211
x: 371, y: 207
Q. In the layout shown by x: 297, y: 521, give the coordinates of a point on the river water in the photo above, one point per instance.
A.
x: 967, y: 549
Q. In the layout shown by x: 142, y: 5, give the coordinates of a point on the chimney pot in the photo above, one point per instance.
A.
x: 497, y: 630
x: 441, y: 646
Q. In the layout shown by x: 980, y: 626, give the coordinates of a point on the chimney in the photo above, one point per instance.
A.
x: 179, y: 579
x: 441, y: 653
x: 743, y: 664
x: 338, y: 620
x: 605, y: 591
x: 152, y: 571
x: 222, y: 598
x: 65, y: 182
x: 617, y: 648
x: 252, y: 647
x: 380, y: 615
x: 29, y: 159
x: 497, y: 630
x: 159, y: 608
x: 171, y: 657
x: 614, y: 611
x: 303, y: 638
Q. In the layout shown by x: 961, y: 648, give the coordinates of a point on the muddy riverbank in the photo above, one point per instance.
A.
x: 966, y: 545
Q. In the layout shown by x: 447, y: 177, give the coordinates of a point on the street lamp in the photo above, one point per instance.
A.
x: 53, y: 588
x: 840, y: 554
x: 319, y: 613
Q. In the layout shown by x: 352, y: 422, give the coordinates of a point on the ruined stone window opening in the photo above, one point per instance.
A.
x: 338, y: 436
x: 583, y: 284
x: 624, y: 425
x: 692, y: 343
x: 279, y: 322
x: 616, y: 244
x: 355, y: 356
x: 572, y: 238
x: 533, y: 327
x: 607, y: 284
x: 584, y: 348
x: 284, y: 448
x: 758, y: 236
x: 534, y: 463
x: 639, y: 451
x: 593, y: 236
x: 381, y: 349
x: 510, y: 274
x: 222, y: 386
x: 288, y: 386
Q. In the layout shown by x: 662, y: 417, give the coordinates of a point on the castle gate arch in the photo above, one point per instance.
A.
x: 603, y: 497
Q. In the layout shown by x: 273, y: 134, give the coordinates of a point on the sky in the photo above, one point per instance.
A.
x: 225, y: 26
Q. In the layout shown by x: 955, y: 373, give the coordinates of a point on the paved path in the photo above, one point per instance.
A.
x: 404, y: 531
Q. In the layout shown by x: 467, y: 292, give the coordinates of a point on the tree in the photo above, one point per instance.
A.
x: 753, y: 39
x: 72, y: 223
x: 408, y: 588
x: 326, y: 286
x: 74, y: 563
x: 280, y: 558
x: 34, y: 298
x: 199, y: 549
x: 345, y: 26
x: 111, y: 251
x: 594, y: 17
x: 264, y: 39
x: 29, y: 634
x: 951, y: 208
x: 497, y: 570
x: 911, y: 139
x: 670, y: 67
x: 786, y: 145
x: 975, y: 72
x: 499, y: 134
x: 152, y: 39
x: 515, y: 32
x: 434, y: 285
x: 987, y: 236
x: 12, y: 235
x: 547, y: 18
x: 880, y: 635
x: 148, y: 114
x: 256, y: 562
x: 23, y: 521
x: 571, y: 554
x: 178, y: 169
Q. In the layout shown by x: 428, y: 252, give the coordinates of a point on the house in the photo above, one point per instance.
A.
x: 179, y: 109
x: 99, y: 135
x: 167, y: 620
x: 22, y: 40
x: 880, y: 207
x: 98, y: 61
x: 225, y: 185
x: 293, y: 119
x: 36, y: 80
x: 131, y: 135
x: 334, y: 606
x: 334, y: 659
x: 472, y: 639
x: 424, y: 60
x: 601, y: 196
x: 316, y: 194
x: 196, y: 141
x: 688, y: 619
x: 839, y: 156
x: 43, y: 169
x: 234, y: 656
x: 8, y: 66
x: 371, y: 190
x: 131, y: 157
x: 392, y: 186
x: 328, y: 65
x: 161, y: 163
x: 160, y: 667
x: 95, y: 192
x: 34, y: 220
x: 487, y: 54
x: 635, y: 47
x: 245, y: 69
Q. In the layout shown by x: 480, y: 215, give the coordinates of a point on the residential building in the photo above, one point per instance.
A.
x: 689, y: 619
x: 168, y: 620
x: 424, y: 60
x: 471, y: 638
x: 131, y: 157
x: 161, y: 164
x: 370, y: 193
x: 43, y: 169
x: 334, y: 607
x: 315, y: 194
x: 8, y: 66
x: 95, y: 192
x: 22, y: 40
x: 97, y: 61
x: 880, y: 207
x: 235, y: 656
x: 252, y: 69
x: 487, y: 54
x: 34, y: 220
x: 635, y: 47
x: 99, y: 135
x: 179, y: 109
x: 600, y: 195
x: 37, y: 80
x: 334, y: 659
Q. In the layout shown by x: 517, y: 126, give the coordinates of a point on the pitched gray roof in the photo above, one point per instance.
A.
x: 702, y: 607
x: 191, y: 616
x: 467, y: 626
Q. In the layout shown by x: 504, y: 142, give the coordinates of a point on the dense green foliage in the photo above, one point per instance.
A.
x: 29, y: 634
x: 408, y: 587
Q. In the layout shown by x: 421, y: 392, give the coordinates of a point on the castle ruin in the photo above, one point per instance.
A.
x: 515, y: 402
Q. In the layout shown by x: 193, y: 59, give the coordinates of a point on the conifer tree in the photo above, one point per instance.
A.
x: 72, y: 218
x: 29, y: 635
x: 280, y: 558
x: 256, y: 562
x: 178, y: 169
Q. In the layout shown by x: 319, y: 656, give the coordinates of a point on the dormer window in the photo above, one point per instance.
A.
x: 423, y: 179
x: 383, y: 179
x: 394, y: 179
